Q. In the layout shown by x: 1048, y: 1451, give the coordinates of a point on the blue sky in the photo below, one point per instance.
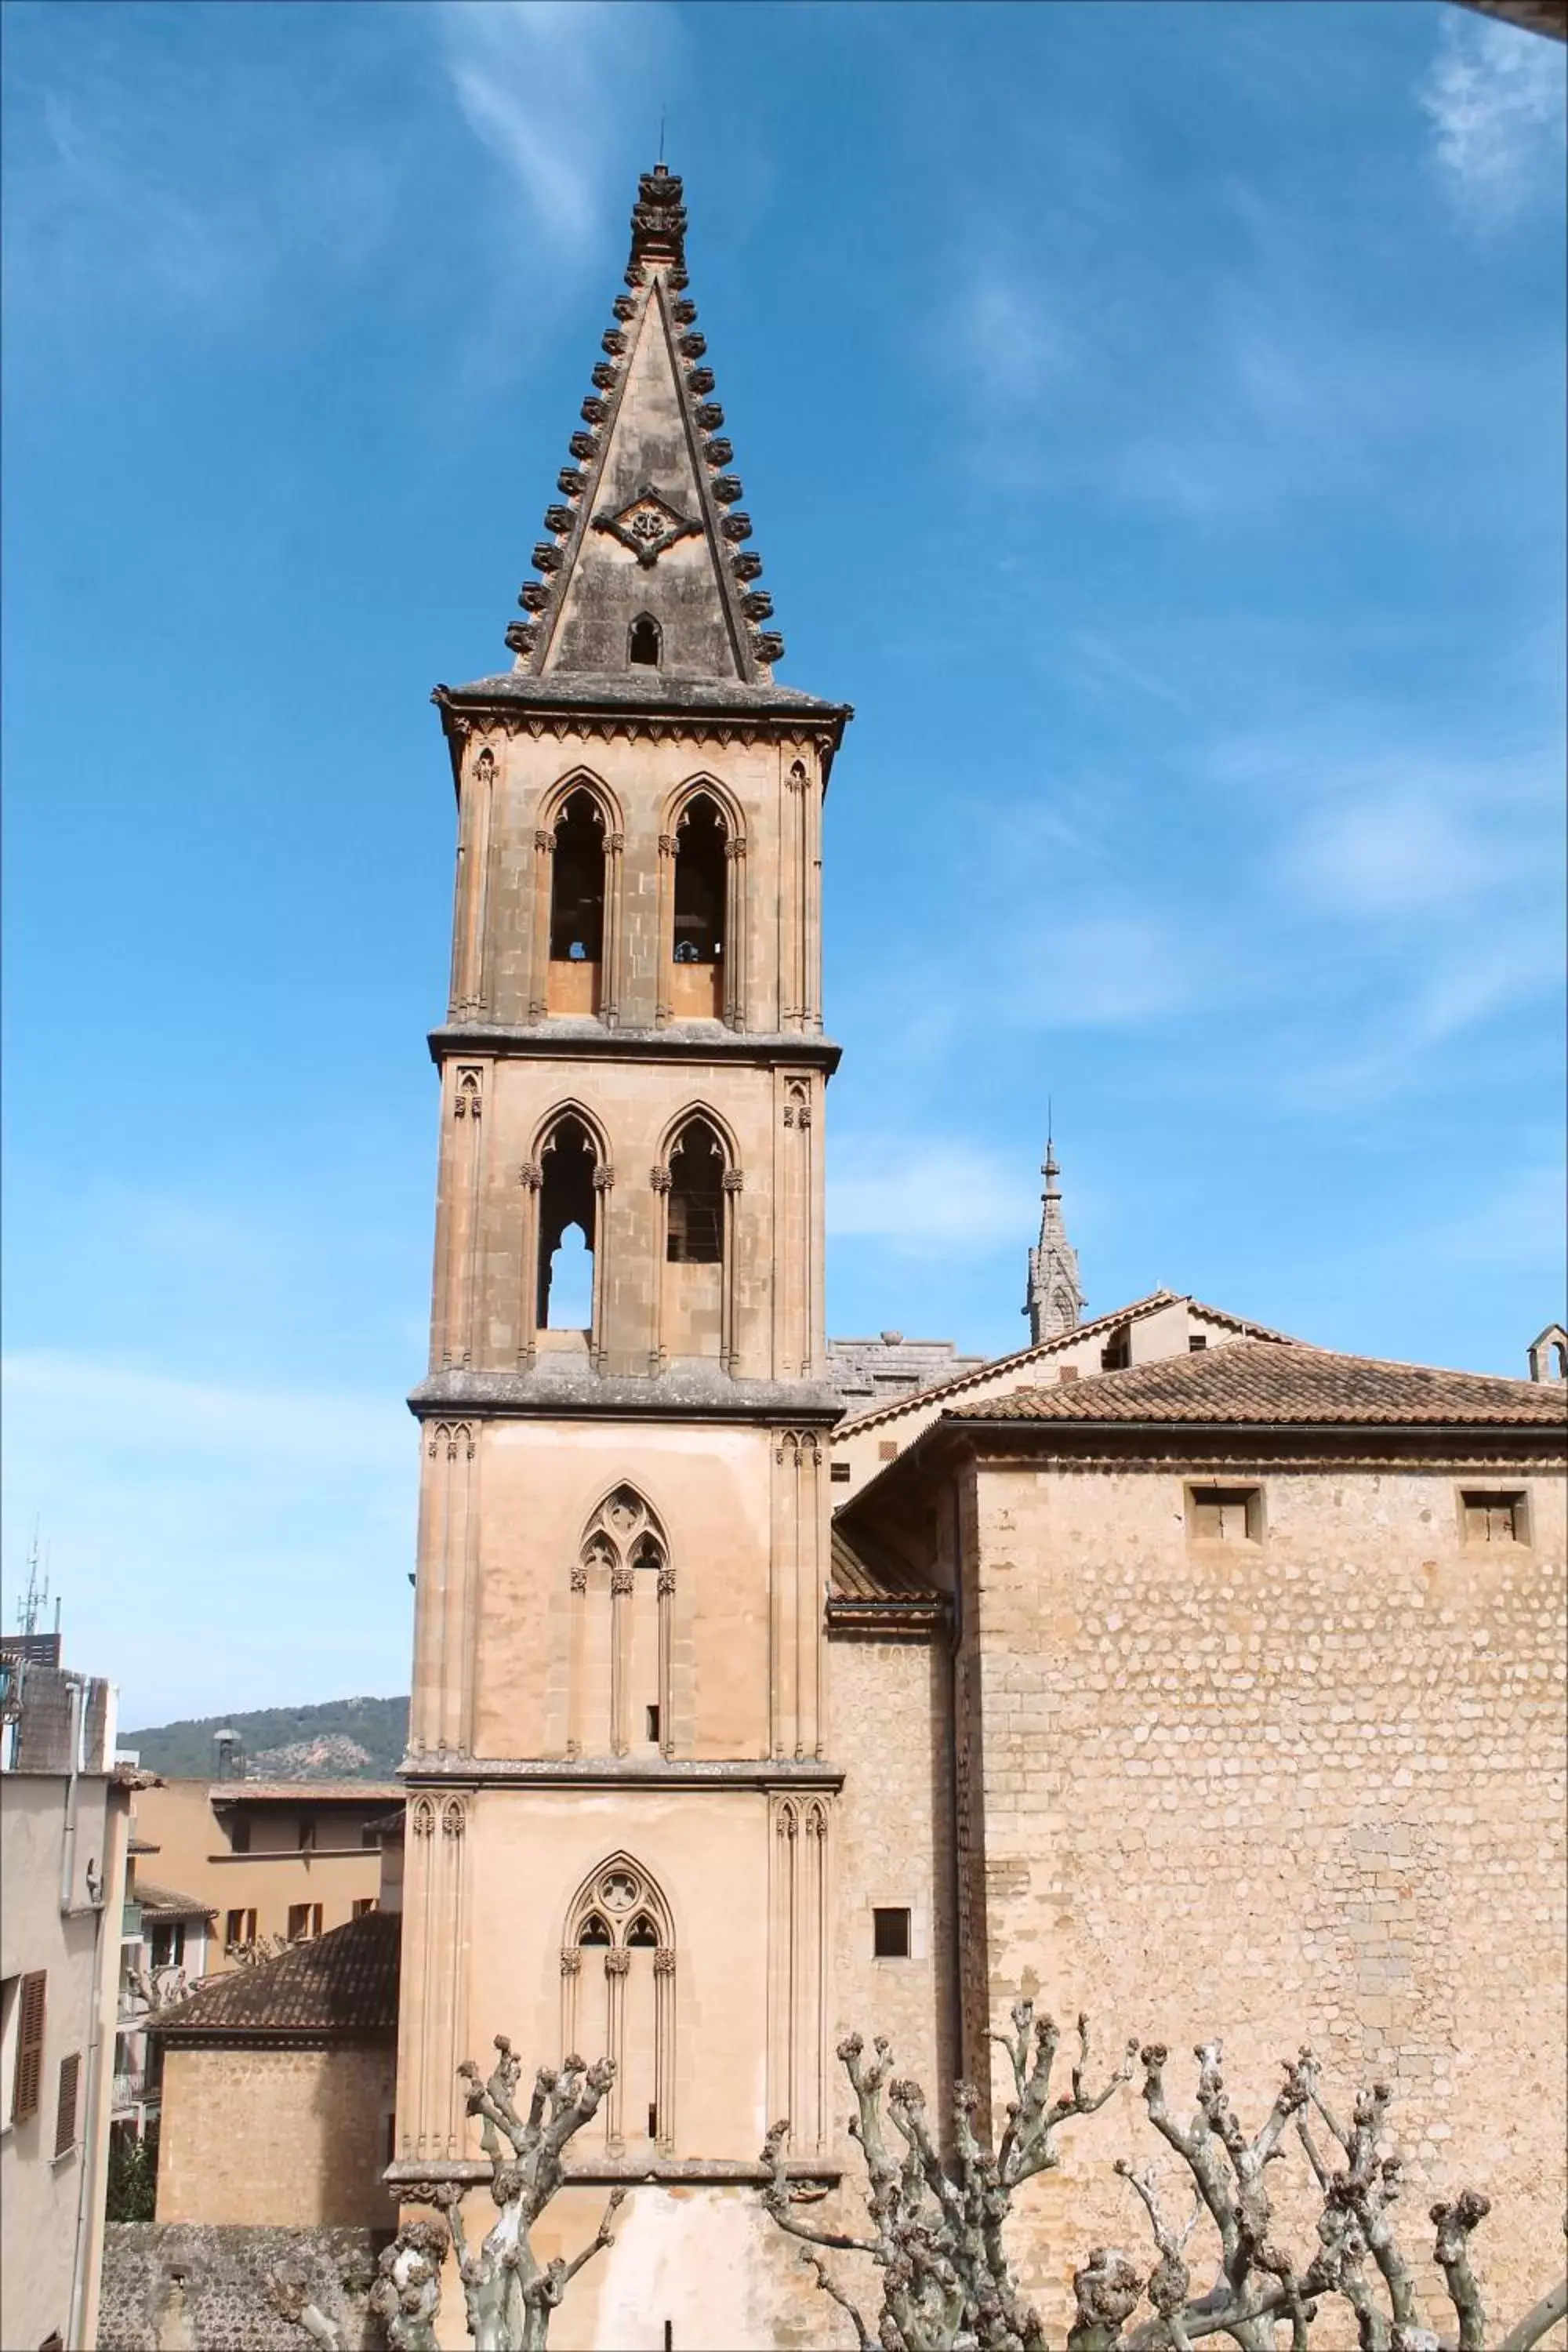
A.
x: 1151, y: 419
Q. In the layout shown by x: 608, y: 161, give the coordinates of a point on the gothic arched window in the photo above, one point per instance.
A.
x: 695, y: 1235
x: 623, y: 1593
x: 567, y: 1222
x: 645, y: 642
x: 701, y: 838
x: 577, y: 905
x: 630, y: 2013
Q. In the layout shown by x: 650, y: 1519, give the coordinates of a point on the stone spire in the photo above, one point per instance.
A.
x: 1055, y: 1303
x: 646, y: 568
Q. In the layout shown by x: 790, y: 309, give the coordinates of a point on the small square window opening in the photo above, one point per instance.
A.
x: 1225, y: 1514
x: 1492, y: 1515
x: 890, y: 1934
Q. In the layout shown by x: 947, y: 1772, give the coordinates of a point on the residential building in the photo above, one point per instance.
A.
x: 64, y: 1819
x: 272, y: 1861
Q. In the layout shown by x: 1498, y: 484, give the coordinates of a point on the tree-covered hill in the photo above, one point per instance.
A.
x: 343, y: 1740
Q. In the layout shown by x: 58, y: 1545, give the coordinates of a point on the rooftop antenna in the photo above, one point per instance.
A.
x: 35, y: 1599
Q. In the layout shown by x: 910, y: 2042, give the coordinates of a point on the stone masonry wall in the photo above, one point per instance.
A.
x: 177, y: 2289
x: 1309, y: 1790
x: 288, y: 2137
x: 890, y: 1714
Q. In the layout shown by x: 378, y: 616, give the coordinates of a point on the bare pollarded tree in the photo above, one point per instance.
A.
x: 509, y: 2295
x: 937, y: 2218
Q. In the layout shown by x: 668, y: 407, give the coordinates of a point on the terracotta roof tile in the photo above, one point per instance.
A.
x: 919, y: 1400
x: 344, y: 1983
x: 860, y: 1572
x: 1252, y: 1380
x: 168, y: 1903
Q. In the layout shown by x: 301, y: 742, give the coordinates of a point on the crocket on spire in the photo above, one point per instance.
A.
x: 647, y: 567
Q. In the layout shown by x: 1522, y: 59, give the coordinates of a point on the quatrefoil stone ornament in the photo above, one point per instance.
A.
x: 647, y: 526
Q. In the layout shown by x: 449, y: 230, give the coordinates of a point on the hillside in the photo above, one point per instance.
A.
x: 343, y: 1740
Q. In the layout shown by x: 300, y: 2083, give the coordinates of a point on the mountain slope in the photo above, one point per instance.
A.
x: 343, y: 1740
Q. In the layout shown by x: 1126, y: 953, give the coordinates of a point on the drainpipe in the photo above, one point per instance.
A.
x: 955, y: 1644
x: 86, y: 2169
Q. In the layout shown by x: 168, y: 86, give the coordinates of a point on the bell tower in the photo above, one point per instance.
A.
x: 621, y: 1796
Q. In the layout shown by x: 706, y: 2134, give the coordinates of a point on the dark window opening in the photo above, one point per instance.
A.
x: 1117, y: 1352
x: 304, y: 1922
x: 1197, y: 1343
x: 362, y: 1906
x: 652, y: 1714
x: 841, y: 1472
x: 645, y: 642
x: 700, y: 839
x: 239, y: 1834
x: 566, y: 1203
x: 577, y: 883
x: 696, y: 1198
x: 642, y: 1935
x: 595, y: 1931
x: 168, y: 1946
x: 890, y: 1935
x: 652, y: 2120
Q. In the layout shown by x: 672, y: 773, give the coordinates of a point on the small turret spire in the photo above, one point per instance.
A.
x: 1055, y: 1304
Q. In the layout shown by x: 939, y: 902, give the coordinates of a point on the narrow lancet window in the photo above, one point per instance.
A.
x: 567, y: 1229
x: 577, y: 907
x: 696, y: 1234
x: 699, y: 884
x: 645, y: 642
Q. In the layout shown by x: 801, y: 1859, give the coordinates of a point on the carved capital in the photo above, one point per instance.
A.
x: 616, y: 1962
x: 467, y: 1095
x: 579, y: 1577
x: 735, y: 1180
x: 622, y: 1579
x: 664, y: 1960
x: 604, y: 1175
x: 736, y: 848
x: 666, y: 1582
x: 659, y: 1178
x: 485, y: 765
x: 668, y: 845
x: 424, y: 1816
x: 454, y: 1821
x: 615, y: 841
x: 531, y: 1175
x: 571, y: 1962
x: 544, y: 841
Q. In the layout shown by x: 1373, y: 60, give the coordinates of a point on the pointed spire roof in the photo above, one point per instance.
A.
x: 645, y: 573
x: 1055, y: 1304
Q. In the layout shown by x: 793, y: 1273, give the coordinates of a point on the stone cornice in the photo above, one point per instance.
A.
x: 660, y: 1772
x: 545, y: 1394
x: 694, y: 2171
x: 686, y: 1041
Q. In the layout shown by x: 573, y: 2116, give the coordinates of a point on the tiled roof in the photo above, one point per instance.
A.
x: 1252, y: 1380
x: 344, y: 1983
x: 1044, y: 1349
x: 168, y: 1903
x: 863, y: 1572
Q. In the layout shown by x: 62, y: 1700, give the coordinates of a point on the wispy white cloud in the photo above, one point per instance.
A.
x: 545, y: 85
x: 924, y: 1197
x: 1494, y: 96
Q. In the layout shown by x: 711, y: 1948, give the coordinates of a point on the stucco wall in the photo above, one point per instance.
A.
x: 194, y: 1856
x: 41, y: 2194
x: 276, y: 2136
x: 1310, y: 1791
